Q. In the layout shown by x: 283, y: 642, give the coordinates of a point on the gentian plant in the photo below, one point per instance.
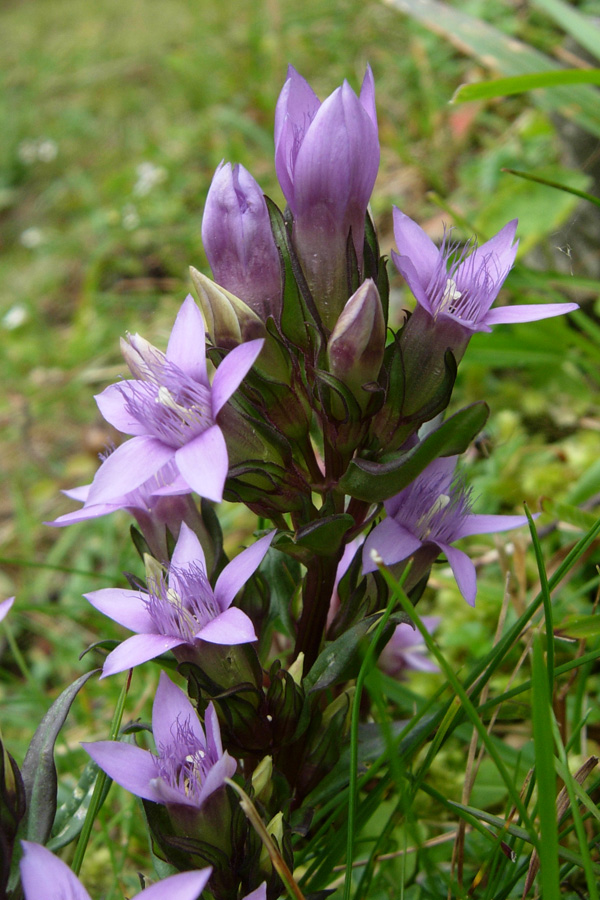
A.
x: 286, y: 391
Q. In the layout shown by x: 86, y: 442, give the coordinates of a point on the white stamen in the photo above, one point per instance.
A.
x: 449, y: 296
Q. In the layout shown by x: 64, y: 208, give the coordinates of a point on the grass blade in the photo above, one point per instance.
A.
x: 546, y: 778
x: 518, y: 84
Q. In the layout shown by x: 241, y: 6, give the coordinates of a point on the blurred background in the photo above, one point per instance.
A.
x: 113, y: 118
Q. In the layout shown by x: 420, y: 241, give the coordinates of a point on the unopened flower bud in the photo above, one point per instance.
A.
x: 296, y: 669
x: 262, y: 779
x: 229, y: 321
x: 327, y: 156
x: 238, y: 241
x: 275, y: 830
x: 357, y: 343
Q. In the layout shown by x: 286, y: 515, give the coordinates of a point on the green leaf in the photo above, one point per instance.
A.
x: 572, y: 515
x: 376, y: 481
x: 580, y: 626
x: 518, y: 84
x: 340, y: 656
x: 581, y: 27
x: 504, y: 53
x: 71, y: 815
x: 324, y: 536
x: 546, y: 777
x: 39, y: 770
x: 555, y: 184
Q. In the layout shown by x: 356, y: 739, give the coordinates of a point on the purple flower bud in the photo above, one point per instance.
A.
x: 238, y: 241
x: 190, y: 764
x: 46, y: 877
x: 326, y: 156
x: 179, y: 612
x: 431, y: 513
x: 355, y: 348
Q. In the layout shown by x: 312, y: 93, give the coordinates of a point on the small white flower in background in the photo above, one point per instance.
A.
x: 43, y: 149
x: 31, y: 237
x: 130, y: 218
x: 15, y: 317
x: 148, y: 176
x: 27, y: 152
x: 47, y: 150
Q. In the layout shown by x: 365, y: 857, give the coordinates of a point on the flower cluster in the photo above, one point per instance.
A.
x: 332, y: 429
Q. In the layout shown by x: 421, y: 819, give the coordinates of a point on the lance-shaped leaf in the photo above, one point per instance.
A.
x: 376, y: 481
x: 39, y: 770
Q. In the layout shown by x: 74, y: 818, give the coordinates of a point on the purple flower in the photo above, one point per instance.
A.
x: 433, y: 512
x: 326, y: 157
x: 46, y: 877
x: 406, y: 650
x: 190, y: 765
x: 459, y: 285
x: 171, y: 409
x: 238, y: 241
x: 183, y: 609
x: 159, y: 503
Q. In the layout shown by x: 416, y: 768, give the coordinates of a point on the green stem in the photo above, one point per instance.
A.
x: 95, y: 802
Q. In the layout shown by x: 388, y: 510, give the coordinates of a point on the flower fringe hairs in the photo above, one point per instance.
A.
x: 328, y: 426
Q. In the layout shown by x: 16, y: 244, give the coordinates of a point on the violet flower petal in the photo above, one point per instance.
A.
x: 528, y: 312
x: 412, y: 277
x: 232, y: 627
x: 463, y: 570
x: 138, y: 649
x: 126, y: 607
x: 114, y: 406
x: 481, y: 524
x: 392, y: 542
x: 204, y: 463
x: 259, y: 894
x: 502, y: 249
x: 188, y: 549
x: 338, y: 158
x: 413, y: 243
x: 5, y: 607
x: 296, y: 108
x: 46, y: 877
x: 78, y: 493
x: 186, y: 347
x: 172, y: 704
x: 130, y: 465
x: 240, y: 569
x: 223, y: 768
x: 232, y: 371
x: 183, y: 886
x: 131, y: 767
x: 213, y: 730
x: 367, y: 95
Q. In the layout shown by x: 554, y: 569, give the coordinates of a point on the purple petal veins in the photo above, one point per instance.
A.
x: 174, y: 407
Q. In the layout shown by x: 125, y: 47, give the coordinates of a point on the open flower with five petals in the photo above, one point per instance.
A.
x: 171, y: 410
x: 182, y: 609
x: 458, y: 284
x: 430, y: 514
x: 190, y: 764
